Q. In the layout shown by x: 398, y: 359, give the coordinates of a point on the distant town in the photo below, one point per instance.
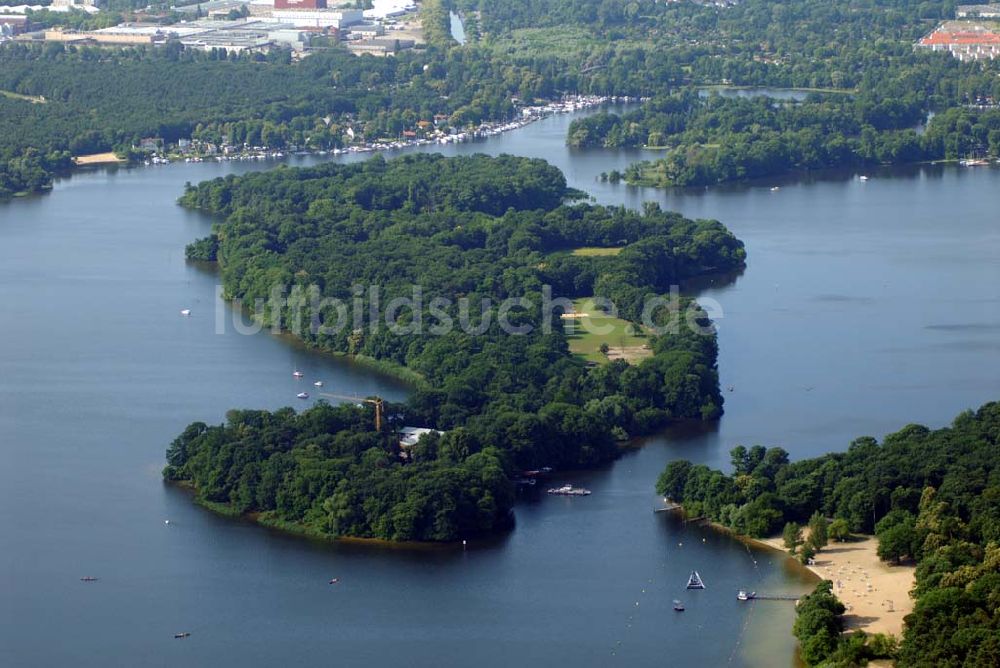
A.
x: 236, y: 26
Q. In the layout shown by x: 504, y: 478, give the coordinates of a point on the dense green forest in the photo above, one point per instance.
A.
x: 106, y: 99
x: 486, y: 230
x: 713, y: 139
x: 930, y: 496
x: 327, y: 472
x: 646, y: 47
x: 99, y: 99
x: 883, y: 91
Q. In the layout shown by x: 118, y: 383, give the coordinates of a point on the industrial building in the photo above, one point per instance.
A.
x: 272, y: 23
x: 977, y: 11
x: 380, y: 46
x: 318, y: 18
x: 212, y: 8
x: 366, y: 30
x: 382, y: 9
x: 11, y: 25
x: 207, y: 34
x: 300, y: 4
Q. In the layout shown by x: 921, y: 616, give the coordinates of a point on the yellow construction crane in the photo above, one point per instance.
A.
x: 375, y: 401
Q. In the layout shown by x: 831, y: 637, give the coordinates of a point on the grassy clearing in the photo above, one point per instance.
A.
x: 595, y: 328
x: 595, y: 251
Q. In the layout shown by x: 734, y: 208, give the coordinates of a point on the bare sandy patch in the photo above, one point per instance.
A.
x: 97, y: 159
x: 629, y: 353
x: 876, y: 594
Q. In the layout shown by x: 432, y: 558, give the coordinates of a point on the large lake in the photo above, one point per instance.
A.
x: 864, y: 306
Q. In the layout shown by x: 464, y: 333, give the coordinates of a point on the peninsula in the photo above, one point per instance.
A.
x: 479, y: 251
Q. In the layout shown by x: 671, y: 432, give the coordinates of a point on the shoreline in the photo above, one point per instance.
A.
x: 528, y: 115
x: 876, y: 594
x: 763, y: 544
x: 790, y: 89
x: 299, y: 531
x: 414, y: 380
x: 788, y: 177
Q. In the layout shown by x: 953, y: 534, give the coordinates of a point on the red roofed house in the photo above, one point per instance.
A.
x: 964, y: 40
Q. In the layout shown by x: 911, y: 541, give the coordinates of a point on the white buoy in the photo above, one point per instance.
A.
x: 166, y: 521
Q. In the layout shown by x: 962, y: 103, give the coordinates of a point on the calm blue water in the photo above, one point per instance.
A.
x: 864, y: 306
x: 457, y: 27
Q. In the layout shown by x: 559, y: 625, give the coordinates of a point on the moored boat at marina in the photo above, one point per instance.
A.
x: 569, y: 490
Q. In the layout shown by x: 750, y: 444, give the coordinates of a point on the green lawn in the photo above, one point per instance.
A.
x: 596, y: 251
x: 586, y: 342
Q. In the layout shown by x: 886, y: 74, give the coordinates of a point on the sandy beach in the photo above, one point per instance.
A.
x: 876, y: 594
x: 97, y: 159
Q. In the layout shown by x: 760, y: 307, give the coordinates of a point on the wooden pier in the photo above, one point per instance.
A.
x: 667, y: 508
x: 774, y: 597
